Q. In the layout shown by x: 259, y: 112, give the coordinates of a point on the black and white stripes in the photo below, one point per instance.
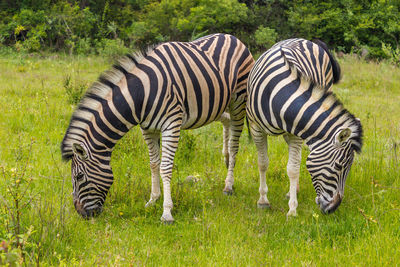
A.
x: 170, y: 87
x: 289, y: 93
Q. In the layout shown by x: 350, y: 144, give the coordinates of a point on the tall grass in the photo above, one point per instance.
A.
x: 210, y: 228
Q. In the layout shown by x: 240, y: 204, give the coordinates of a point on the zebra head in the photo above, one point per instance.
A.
x: 329, y: 166
x: 91, y: 181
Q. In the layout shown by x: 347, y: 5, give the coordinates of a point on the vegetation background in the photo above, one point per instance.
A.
x: 108, y: 27
x: 51, y: 51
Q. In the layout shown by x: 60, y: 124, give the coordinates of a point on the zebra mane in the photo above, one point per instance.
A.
x: 99, y: 90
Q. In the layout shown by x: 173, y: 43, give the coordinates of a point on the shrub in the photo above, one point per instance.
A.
x: 84, y: 46
x: 74, y: 89
x: 111, y: 48
x: 15, y: 242
x: 265, y: 37
x: 392, y: 54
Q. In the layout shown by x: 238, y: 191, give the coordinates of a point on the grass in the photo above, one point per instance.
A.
x: 210, y: 228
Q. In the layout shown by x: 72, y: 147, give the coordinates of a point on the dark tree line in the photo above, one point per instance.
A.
x: 112, y: 26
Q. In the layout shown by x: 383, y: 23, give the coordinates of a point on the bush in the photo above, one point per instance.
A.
x: 74, y: 26
x: 392, y: 54
x: 84, y: 46
x: 111, y: 48
x: 74, y: 89
x: 265, y: 37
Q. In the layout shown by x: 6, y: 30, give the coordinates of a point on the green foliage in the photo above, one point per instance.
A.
x: 392, y: 54
x: 15, y: 238
x: 83, y: 27
x: 74, y: 89
x: 111, y: 48
x: 179, y: 20
x: 265, y: 37
x: 186, y: 147
x: 349, y: 25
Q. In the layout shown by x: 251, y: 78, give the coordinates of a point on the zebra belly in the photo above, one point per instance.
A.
x: 206, y: 103
x: 193, y: 120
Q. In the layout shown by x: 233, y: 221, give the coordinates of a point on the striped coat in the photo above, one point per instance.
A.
x: 168, y: 88
x: 289, y: 93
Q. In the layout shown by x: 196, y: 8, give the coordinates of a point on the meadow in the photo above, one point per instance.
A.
x: 210, y: 229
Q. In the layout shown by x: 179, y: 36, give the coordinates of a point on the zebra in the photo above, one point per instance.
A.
x: 168, y: 88
x: 290, y: 94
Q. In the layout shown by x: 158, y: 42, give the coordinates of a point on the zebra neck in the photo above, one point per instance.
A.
x: 327, y: 131
x: 100, y: 121
x: 321, y: 115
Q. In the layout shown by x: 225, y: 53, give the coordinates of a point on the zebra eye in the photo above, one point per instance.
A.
x: 79, y: 177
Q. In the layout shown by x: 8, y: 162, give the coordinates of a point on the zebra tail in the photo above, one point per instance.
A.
x: 335, y: 65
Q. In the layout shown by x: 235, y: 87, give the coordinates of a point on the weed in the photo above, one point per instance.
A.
x: 74, y: 89
x: 16, y: 201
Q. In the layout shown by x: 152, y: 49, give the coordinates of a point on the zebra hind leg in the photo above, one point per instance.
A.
x: 293, y: 171
x: 152, y: 140
x: 226, y: 121
x: 261, y: 142
x: 286, y: 137
x: 237, y: 113
x: 169, y: 141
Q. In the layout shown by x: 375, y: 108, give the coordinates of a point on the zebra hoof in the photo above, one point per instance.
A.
x: 263, y: 205
x: 167, y: 219
x: 291, y: 214
x: 167, y: 222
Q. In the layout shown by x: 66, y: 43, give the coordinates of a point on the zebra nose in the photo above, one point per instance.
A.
x: 93, y: 212
x: 78, y: 206
x: 87, y: 213
x: 331, y: 206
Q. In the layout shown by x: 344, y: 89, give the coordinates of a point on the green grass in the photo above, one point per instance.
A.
x: 210, y: 228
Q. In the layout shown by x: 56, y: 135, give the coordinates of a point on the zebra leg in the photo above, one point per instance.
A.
x: 169, y: 143
x: 152, y: 140
x: 225, y: 119
x: 286, y: 137
x: 293, y: 170
x: 237, y: 113
x: 261, y: 142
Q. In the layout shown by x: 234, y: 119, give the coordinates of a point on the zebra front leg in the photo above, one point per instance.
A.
x: 169, y: 142
x: 152, y: 140
x: 261, y: 142
x: 293, y: 170
x: 225, y: 119
x: 237, y: 114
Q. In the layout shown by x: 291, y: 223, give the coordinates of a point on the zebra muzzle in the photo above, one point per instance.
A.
x: 87, y: 213
x: 329, y: 207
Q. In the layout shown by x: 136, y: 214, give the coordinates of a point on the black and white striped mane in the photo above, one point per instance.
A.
x: 98, y: 91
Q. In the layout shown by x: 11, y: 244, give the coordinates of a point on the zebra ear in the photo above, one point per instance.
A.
x: 80, y: 151
x: 342, y: 136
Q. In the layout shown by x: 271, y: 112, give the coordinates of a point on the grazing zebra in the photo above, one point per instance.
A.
x: 289, y: 93
x: 171, y: 87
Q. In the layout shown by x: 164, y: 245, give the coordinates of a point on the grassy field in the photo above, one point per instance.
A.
x: 210, y: 228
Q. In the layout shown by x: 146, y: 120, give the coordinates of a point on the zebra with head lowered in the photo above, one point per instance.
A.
x: 171, y: 87
x: 289, y: 93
